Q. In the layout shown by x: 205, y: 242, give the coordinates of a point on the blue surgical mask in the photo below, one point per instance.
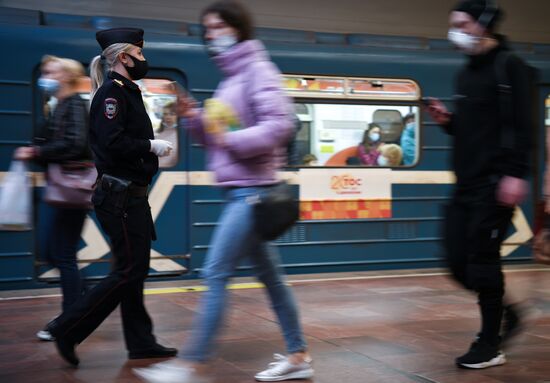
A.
x: 374, y: 136
x: 382, y: 161
x: 409, y: 126
x: 220, y: 44
x: 48, y: 85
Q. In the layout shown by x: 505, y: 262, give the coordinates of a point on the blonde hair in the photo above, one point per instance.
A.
x: 393, y: 153
x: 110, y: 55
x: 73, y: 68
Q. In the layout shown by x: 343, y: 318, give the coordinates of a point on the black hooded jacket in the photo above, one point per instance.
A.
x: 479, y: 158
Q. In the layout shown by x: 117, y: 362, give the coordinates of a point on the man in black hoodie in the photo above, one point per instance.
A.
x: 490, y: 159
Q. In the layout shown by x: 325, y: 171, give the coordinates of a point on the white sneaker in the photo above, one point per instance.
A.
x: 282, y: 369
x: 167, y: 372
x: 45, y: 336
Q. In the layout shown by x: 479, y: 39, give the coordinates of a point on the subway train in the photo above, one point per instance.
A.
x: 354, y: 216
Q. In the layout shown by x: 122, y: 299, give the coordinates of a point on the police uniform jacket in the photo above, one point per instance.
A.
x: 120, y: 130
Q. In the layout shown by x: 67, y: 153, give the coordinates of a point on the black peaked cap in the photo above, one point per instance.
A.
x: 112, y: 36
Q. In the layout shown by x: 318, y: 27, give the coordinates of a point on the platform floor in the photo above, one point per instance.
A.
x: 361, y: 327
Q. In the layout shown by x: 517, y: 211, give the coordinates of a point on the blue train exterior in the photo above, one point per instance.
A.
x: 185, y: 203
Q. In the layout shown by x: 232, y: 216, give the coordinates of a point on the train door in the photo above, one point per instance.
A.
x: 167, y: 195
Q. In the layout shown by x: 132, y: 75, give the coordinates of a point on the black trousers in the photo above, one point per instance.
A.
x: 130, y: 232
x: 474, y: 229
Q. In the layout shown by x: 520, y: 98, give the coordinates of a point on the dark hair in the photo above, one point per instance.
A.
x: 410, y: 116
x: 367, y: 142
x: 235, y: 15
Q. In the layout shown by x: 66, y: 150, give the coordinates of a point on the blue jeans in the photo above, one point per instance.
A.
x: 234, y: 239
x: 59, y: 238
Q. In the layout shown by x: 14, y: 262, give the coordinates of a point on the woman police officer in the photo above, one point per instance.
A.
x: 121, y: 138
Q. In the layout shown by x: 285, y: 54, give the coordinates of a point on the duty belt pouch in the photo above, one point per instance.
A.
x: 117, y: 192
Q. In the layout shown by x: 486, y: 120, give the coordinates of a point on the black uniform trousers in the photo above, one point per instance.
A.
x: 474, y: 229
x: 130, y: 231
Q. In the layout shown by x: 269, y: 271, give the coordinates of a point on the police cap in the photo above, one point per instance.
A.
x: 111, y: 36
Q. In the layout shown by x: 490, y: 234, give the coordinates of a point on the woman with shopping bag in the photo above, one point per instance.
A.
x: 64, y: 142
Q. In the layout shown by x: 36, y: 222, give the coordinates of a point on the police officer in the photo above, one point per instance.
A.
x: 125, y: 151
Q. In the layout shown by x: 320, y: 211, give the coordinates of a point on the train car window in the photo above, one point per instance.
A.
x: 159, y: 97
x: 381, y: 132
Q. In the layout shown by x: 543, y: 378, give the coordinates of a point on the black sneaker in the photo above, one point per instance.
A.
x: 155, y: 351
x: 512, y: 323
x: 481, y: 355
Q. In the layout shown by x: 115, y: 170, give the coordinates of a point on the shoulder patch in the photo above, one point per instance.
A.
x: 118, y: 82
x: 110, y: 108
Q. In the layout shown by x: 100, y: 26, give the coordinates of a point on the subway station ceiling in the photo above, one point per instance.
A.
x: 525, y: 20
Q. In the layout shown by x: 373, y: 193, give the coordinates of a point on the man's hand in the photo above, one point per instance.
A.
x: 24, y: 153
x: 511, y: 190
x: 438, y: 111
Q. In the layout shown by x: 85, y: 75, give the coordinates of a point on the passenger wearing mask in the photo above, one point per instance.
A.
x: 408, y: 139
x: 121, y: 137
x: 65, y: 140
x: 368, y: 149
x: 244, y: 160
x: 490, y: 174
x: 391, y: 155
x: 168, y: 131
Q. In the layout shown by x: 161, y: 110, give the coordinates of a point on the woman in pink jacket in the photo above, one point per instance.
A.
x: 244, y: 155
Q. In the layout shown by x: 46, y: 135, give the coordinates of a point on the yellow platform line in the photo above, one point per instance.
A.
x: 194, y: 289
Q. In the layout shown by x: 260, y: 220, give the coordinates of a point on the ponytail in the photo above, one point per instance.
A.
x: 109, y: 57
x: 96, y: 74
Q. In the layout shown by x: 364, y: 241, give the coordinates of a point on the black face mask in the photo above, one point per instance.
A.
x: 139, y: 70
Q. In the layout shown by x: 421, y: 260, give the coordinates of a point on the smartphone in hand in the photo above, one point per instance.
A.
x: 426, y: 101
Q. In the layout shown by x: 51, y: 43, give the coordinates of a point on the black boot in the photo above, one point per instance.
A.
x: 65, y: 347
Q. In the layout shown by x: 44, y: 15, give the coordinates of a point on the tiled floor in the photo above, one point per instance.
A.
x: 361, y: 327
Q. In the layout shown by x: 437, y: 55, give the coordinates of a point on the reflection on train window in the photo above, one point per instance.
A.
x: 547, y: 111
x: 355, y: 135
x: 159, y: 97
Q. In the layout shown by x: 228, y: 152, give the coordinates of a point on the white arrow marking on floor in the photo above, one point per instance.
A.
x: 96, y: 245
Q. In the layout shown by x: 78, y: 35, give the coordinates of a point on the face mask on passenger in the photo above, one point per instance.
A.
x: 382, y: 161
x: 409, y: 126
x: 48, y: 85
x: 463, y: 41
x: 220, y: 44
x: 374, y: 136
x: 139, y: 70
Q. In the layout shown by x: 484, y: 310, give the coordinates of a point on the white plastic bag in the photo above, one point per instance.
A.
x: 15, y: 198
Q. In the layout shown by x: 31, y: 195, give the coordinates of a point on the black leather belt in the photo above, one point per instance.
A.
x: 138, y: 191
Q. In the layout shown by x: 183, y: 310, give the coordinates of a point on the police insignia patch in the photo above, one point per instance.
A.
x: 111, y: 108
